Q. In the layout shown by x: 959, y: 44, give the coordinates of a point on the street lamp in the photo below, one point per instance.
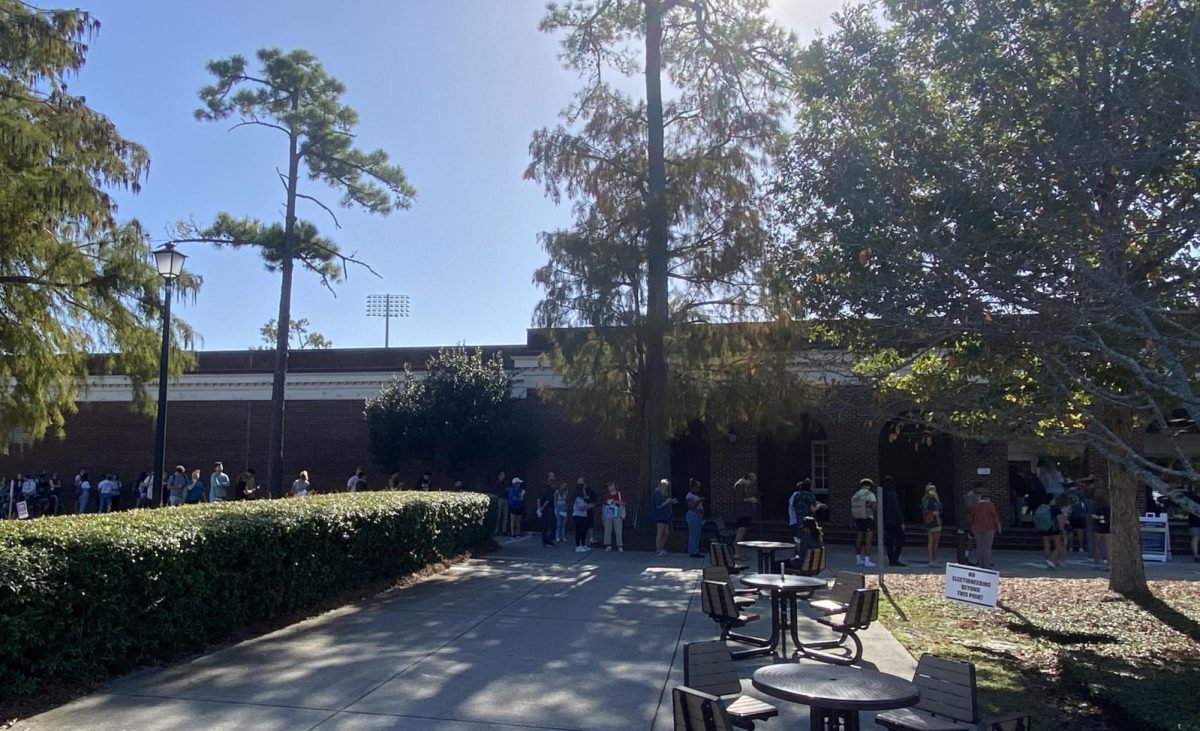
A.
x: 169, y: 263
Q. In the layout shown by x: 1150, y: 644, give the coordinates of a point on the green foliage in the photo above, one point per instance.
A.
x: 728, y: 70
x: 87, y: 597
x: 301, y: 338
x: 74, y: 280
x: 457, y: 417
x: 994, y: 203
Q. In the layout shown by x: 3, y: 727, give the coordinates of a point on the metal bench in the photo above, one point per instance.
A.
x: 720, y: 555
x: 743, y: 597
x: 948, y: 702
x: 708, y: 668
x: 861, y: 611
x: 716, y: 600
x: 696, y: 711
x: 844, y: 586
x: 811, y: 564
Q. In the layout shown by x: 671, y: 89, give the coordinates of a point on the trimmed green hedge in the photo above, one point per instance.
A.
x: 88, y: 597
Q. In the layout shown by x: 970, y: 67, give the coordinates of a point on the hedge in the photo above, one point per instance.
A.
x: 88, y: 597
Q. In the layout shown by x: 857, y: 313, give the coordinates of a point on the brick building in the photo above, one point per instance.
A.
x: 221, y: 411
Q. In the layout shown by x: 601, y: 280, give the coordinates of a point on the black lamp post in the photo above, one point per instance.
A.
x: 170, y: 264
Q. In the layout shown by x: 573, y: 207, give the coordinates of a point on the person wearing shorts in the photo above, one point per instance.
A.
x: 745, y: 499
x: 862, y: 511
x: 931, y: 516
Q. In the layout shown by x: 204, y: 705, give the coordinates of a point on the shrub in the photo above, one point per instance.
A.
x: 86, y: 597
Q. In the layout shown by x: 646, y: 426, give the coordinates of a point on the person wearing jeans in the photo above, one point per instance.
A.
x: 561, y: 499
x: 85, y: 491
x: 985, y: 524
x: 695, y: 518
x: 614, y: 522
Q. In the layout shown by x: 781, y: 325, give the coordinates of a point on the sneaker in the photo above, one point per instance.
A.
x: 1050, y: 565
x: 620, y: 549
x: 858, y: 560
x: 867, y: 562
x: 660, y: 553
x: 547, y: 545
x: 608, y: 548
x: 580, y: 549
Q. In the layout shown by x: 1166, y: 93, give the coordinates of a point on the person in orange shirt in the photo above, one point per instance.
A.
x: 985, y: 524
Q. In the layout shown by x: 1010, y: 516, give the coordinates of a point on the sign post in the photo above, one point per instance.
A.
x: 971, y: 585
x: 1156, y: 537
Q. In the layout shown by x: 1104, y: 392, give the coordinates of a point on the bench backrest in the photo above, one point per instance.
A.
x: 719, y: 598
x: 813, y: 562
x: 696, y: 711
x: 862, y: 609
x: 708, y: 667
x: 947, y: 688
x: 720, y: 555
x: 716, y: 573
x: 845, y: 584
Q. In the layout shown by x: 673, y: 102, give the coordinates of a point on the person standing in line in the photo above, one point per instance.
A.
x: 660, y: 503
x: 893, y: 521
x: 177, y: 486
x: 545, y: 512
x: 301, y: 485
x: 614, y: 518
x: 1101, y: 519
x: 248, y: 484
x: 931, y: 516
x: 970, y: 500
x: 985, y: 524
x: 195, y: 492
x: 516, y: 506
x: 809, y: 536
x: 1076, y: 509
x: 1018, y: 488
x: 85, y: 490
x: 581, y: 512
x: 394, y: 482
x: 562, y: 500
x: 144, y: 485
x: 593, y: 501
x: 1050, y: 522
x: 114, y: 503
x: 745, y: 500
x: 862, y: 510
x: 218, y: 484
x: 355, y: 479
x: 694, y: 517
x: 501, y: 491
x: 55, y: 493
x: 1052, y: 478
x: 802, y: 504
x: 105, y: 489
x: 426, y: 481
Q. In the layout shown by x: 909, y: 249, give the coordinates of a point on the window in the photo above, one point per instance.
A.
x: 820, y: 467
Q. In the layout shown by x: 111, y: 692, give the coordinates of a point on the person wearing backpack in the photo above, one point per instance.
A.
x: 1076, y: 511
x: 1049, y: 520
x: 802, y: 504
x: 862, y: 510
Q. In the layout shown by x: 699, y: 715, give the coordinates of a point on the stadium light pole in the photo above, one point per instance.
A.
x: 169, y: 263
x: 387, y: 306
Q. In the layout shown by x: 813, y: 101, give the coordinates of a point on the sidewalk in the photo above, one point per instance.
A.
x: 527, y: 637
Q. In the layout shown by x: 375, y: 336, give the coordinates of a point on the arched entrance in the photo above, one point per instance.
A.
x: 915, y: 456
x: 690, y: 457
x: 784, y: 460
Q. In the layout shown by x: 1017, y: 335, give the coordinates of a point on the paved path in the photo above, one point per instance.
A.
x: 527, y: 638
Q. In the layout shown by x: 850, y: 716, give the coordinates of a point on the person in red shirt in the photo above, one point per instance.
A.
x: 985, y: 524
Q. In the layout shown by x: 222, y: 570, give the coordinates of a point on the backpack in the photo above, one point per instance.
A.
x: 1041, y: 517
x: 858, y: 505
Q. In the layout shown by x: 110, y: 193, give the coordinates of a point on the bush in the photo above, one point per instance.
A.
x: 86, y: 597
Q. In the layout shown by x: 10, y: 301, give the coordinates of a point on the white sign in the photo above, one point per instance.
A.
x: 22, y: 510
x: 1156, y: 537
x: 972, y: 585
x: 983, y: 470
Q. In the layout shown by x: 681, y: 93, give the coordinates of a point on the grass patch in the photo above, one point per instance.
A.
x: 1067, y: 651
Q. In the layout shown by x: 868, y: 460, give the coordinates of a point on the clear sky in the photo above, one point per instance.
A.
x: 452, y: 89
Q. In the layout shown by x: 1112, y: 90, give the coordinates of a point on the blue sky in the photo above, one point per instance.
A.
x: 452, y: 89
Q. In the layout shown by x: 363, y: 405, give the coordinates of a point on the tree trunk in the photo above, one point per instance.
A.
x: 283, y: 330
x: 1128, y: 573
x: 654, y: 442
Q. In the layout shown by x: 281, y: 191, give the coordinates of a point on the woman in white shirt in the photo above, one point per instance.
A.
x: 300, y: 486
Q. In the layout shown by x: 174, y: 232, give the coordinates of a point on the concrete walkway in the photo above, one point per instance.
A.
x: 527, y: 638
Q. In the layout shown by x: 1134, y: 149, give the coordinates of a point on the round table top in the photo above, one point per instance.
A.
x: 837, y: 687
x: 789, y: 582
x: 766, y: 545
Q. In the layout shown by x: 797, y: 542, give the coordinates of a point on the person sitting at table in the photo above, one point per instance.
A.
x: 809, y: 536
